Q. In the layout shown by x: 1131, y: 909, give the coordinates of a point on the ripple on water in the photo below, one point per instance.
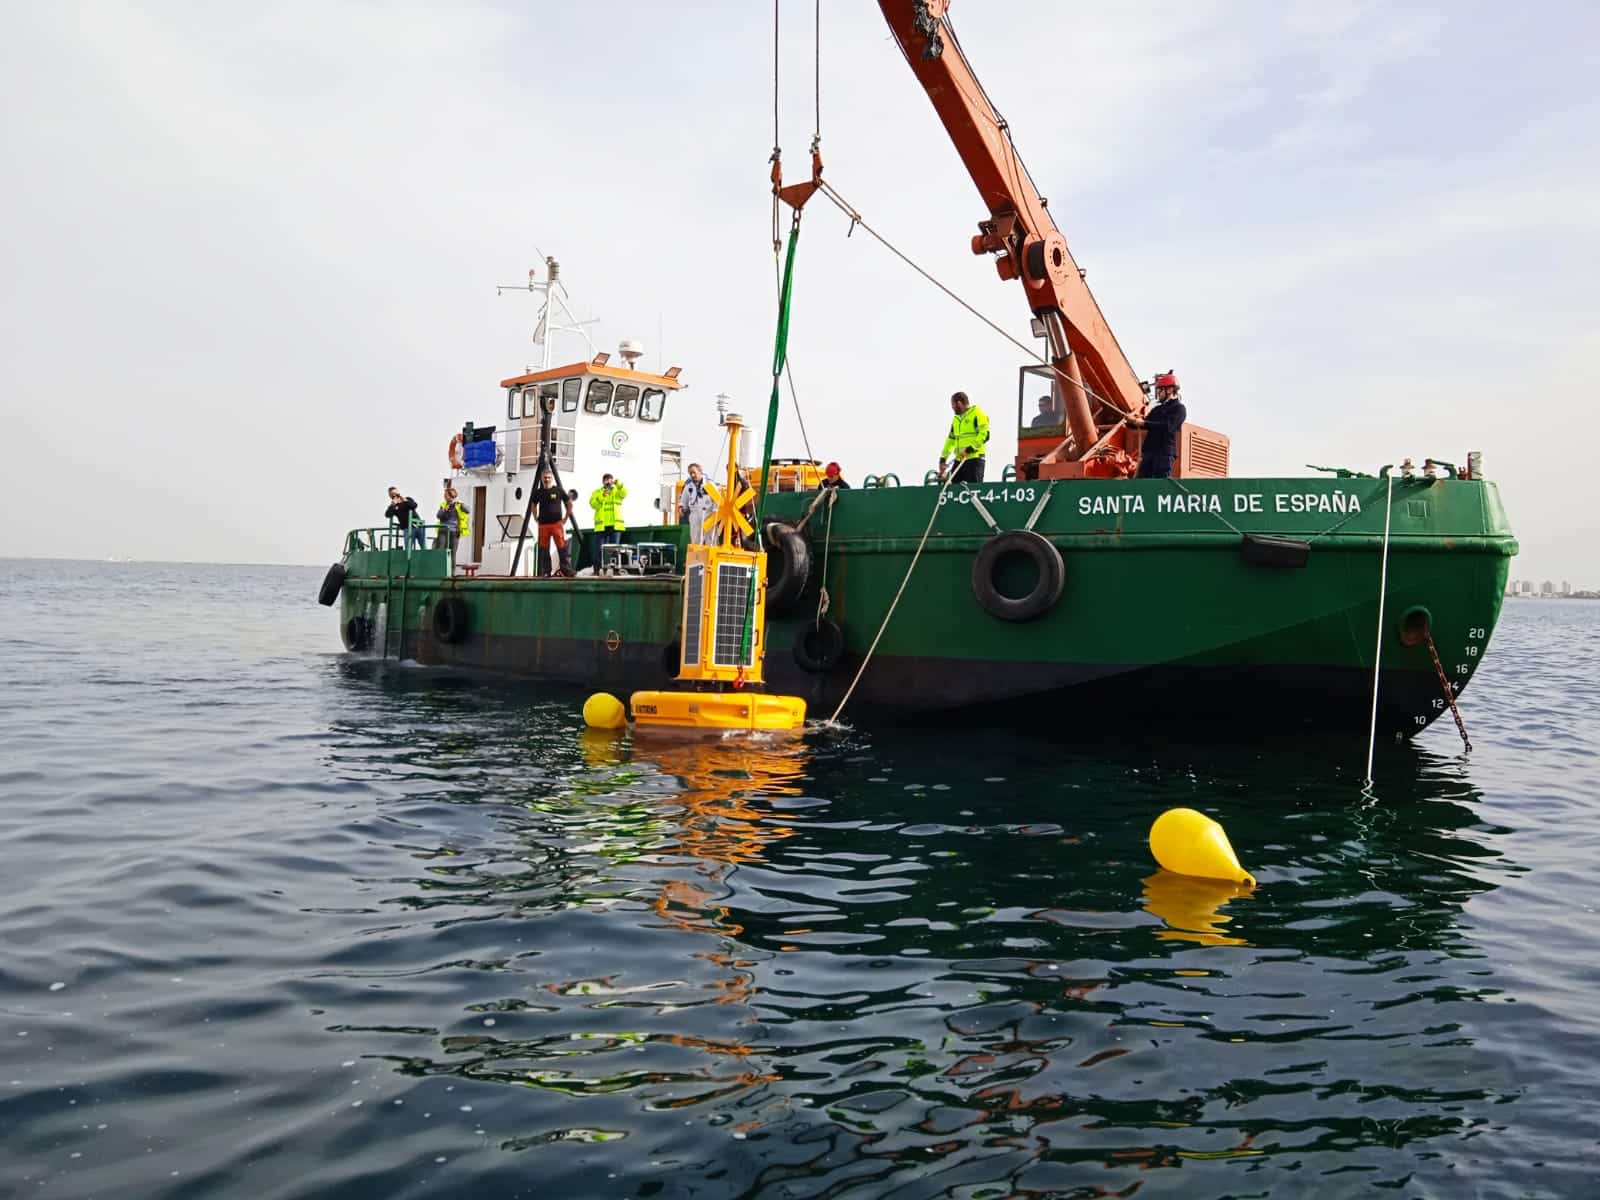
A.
x: 324, y: 927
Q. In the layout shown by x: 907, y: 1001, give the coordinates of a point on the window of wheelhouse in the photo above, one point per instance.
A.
x: 569, y: 394
x: 599, y: 400
x: 652, y: 404
x: 531, y: 396
x: 627, y: 398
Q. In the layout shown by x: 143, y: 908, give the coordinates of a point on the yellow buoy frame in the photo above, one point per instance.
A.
x: 604, y: 711
x: 756, y: 711
x: 1191, y: 843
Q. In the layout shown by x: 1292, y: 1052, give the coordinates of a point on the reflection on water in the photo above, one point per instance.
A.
x: 393, y: 931
x: 1191, y: 907
x: 851, y: 967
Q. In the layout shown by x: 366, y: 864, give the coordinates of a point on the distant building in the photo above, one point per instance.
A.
x: 1547, y: 588
x: 1566, y: 588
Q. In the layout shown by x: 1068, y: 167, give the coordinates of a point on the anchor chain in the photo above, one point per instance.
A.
x: 1449, y: 692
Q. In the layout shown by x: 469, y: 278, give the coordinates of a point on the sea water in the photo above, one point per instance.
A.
x: 283, y: 922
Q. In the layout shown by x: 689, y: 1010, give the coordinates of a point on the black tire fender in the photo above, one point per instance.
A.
x: 997, y: 552
x: 356, y: 634
x: 819, y: 646
x: 450, y: 619
x: 788, y: 567
x: 331, y: 583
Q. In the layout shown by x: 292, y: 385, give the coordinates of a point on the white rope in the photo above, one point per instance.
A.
x: 1377, y: 650
x: 933, y: 516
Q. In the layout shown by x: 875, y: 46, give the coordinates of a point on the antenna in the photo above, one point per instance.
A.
x: 555, y: 314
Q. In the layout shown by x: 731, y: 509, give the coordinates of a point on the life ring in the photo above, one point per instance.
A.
x: 450, y: 619
x: 819, y: 646
x: 788, y: 567
x: 1002, y: 554
x: 331, y: 583
x: 458, y: 457
x: 356, y: 633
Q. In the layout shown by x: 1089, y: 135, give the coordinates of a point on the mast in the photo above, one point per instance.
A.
x: 1021, y: 233
x: 555, y: 314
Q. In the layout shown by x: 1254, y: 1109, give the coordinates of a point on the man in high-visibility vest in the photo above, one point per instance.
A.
x: 606, y: 500
x: 968, y: 443
x: 454, y: 525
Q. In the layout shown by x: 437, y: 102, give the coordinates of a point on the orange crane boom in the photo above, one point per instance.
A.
x: 1096, y: 383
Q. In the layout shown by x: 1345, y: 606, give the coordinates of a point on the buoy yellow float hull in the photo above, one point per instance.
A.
x: 1191, y: 843
x: 717, y: 711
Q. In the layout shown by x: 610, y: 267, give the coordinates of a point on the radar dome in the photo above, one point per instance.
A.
x: 631, y: 349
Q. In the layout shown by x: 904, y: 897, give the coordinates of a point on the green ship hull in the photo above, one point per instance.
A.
x: 1172, y: 606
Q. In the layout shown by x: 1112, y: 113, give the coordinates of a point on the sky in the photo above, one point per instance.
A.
x: 250, y: 251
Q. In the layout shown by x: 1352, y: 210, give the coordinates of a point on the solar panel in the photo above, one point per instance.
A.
x: 694, y: 587
x: 735, y: 584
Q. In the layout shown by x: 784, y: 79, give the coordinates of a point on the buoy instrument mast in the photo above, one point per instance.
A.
x: 723, y: 639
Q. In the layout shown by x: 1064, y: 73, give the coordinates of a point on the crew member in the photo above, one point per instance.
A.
x: 606, y: 500
x: 552, y: 510
x: 453, y: 525
x: 402, y: 511
x: 968, y: 442
x: 831, y: 477
x: 1161, y: 425
x: 695, y: 505
x: 1047, y: 416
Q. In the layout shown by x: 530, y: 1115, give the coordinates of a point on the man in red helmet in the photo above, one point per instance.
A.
x: 1161, y: 425
x: 831, y: 477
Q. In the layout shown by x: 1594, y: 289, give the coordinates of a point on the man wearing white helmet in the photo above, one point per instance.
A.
x: 1162, y: 425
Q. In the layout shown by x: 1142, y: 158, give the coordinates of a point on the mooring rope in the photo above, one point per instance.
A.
x: 1377, y: 651
x: 893, y: 604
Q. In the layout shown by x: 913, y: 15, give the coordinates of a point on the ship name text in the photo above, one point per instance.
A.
x: 1242, y: 502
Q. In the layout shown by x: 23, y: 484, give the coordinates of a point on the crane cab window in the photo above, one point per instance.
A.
x: 627, y: 396
x: 1041, y: 416
x: 652, y: 404
x: 569, y: 394
x: 599, y: 400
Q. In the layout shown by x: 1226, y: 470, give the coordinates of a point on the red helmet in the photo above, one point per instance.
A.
x: 1166, y: 379
x: 831, y: 469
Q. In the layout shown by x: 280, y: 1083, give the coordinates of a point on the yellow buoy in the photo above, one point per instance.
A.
x: 1191, y: 843
x: 604, y: 711
x: 756, y: 711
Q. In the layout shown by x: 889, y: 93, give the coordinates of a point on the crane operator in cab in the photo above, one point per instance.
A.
x: 1161, y: 424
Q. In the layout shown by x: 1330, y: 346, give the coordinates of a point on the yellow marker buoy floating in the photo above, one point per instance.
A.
x: 604, y: 711
x: 754, y: 711
x: 1191, y: 843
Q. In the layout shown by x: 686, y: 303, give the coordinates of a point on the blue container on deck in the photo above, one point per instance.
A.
x: 478, y: 454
